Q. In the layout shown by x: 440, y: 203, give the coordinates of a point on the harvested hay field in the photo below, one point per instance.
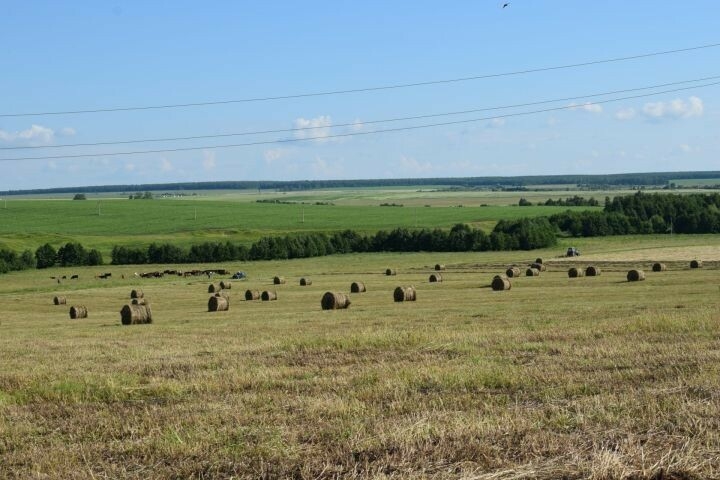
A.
x: 552, y: 379
x: 334, y: 301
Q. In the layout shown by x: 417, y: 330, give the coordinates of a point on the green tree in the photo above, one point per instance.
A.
x: 45, y: 256
x: 79, y: 196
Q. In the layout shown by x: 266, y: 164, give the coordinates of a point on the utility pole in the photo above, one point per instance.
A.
x: 195, y: 213
x: 99, y: 209
x: 303, y: 215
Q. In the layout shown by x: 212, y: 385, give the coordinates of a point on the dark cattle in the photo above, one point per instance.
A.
x: 108, y: 275
x: 74, y: 277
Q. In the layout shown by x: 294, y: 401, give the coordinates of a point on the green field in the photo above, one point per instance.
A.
x: 590, y: 377
x: 31, y: 223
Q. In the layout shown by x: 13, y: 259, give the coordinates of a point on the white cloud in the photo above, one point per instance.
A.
x: 317, y: 128
x: 67, y: 131
x: 677, y: 108
x: 587, y: 107
x: 34, y: 134
x: 496, y: 123
x: 273, y: 155
x: 165, y: 165
x: 208, y: 159
x: 412, y: 166
x: 625, y: 114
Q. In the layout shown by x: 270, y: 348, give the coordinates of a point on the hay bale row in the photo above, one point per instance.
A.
x: 539, y: 260
x: 539, y: 266
x: 218, y: 303
x: 78, y: 311
x: 513, y: 272
x: 225, y: 285
x: 435, y: 278
x: 439, y: 266
x: 305, y: 282
x: 268, y: 295
x: 575, y: 272
x: 138, y: 301
x: 334, y: 301
x: 58, y: 300
x: 252, y: 294
x: 635, y: 275
x: 212, y: 288
x: 135, y: 314
x: 696, y: 264
x: 278, y: 280
x: 137, y: 293
x: 390, y: 272
x: 532, y: 272
x: 500, y: 282
x: 405, y: 294
x: 593, y: 271
x: 357, y: 287
x: 659, y: 267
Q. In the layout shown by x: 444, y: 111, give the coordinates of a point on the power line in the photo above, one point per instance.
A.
x: 367, y: 122
x: 351, y: 134
x: 366, y: 89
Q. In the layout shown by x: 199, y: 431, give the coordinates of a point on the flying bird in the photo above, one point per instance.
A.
x: 505, y: 4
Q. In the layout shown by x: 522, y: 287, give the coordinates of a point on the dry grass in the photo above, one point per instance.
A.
x: 552, y: 379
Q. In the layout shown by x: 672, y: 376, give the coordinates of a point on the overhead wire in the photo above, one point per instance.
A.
x: 364, y: 122
x: 364, y: 89
x: 354, y: 134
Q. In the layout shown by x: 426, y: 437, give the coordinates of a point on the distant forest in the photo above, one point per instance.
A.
x: 594, y: 181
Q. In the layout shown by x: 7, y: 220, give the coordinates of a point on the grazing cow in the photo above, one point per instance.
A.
x: 74, y: 277
x: 108, y: 275
x: 64, y: 277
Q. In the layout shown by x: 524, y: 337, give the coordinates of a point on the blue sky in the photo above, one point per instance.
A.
x: 60, y: 56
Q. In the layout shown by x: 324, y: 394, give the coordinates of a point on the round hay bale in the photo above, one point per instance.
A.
x: 532, y: 272
x: 592, y: 271
x: 305, y: 282
x: 138, y: 301
x: 137, y: 293
x: 252, y: 294
x: 334, y: 301
x: 390, y: 272
x: 696, y: 264
x: 59, y: 300
x: 135, y: 314
x: 405, y: 294
x: 78, y: 311
x: 635, y: 275
x: 225, y: 285
x: 357, y: 287
x: 278, y: 280
x: 268, y: 295
x: 659, y: 267
x: 538, y: 260
x: 225, y: 295
x: 439, y: 266
x: 501, y: 283
x: 539, y: 266
x: 218, y: 304
x: 575, y: 272
x: 212, y: 288
x: 513, y: 272
x: 435, y: 278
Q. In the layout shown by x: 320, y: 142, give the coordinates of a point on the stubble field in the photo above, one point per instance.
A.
x: 556, y: 378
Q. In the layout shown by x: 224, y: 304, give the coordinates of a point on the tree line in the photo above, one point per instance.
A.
x: 644, y: 213
x: 523, y: 234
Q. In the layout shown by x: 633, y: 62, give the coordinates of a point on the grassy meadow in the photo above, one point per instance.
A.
x: 556, y: 378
